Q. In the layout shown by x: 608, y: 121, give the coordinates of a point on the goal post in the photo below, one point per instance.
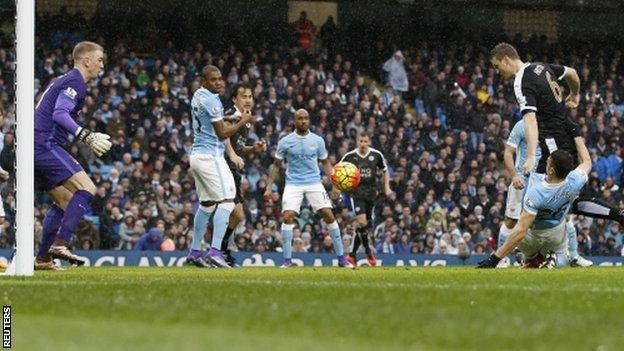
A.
x: 24, y: 141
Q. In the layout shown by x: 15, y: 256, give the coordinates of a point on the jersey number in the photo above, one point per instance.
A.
x: 555, y: 87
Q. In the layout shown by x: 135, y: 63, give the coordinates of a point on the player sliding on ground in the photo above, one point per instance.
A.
x: 55, y: 169
x: 541, y: 100
x: 516, y: 144
x: 540, y: 233
x: 369, y: 161
x: 302, y: 150
x: 214, y: 181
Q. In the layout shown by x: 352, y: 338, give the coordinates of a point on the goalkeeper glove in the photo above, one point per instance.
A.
x: 98, y: 142
x: 490, y: 262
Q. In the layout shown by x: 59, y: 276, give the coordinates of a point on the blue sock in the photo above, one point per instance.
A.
x: 572, y: 242
x: 200, y: 224
x: 287, y: 235
x: 334, y: 232
x: 221, y: 221
x: 503, y: 233
x: 76, y: 208
x: 51, y: 224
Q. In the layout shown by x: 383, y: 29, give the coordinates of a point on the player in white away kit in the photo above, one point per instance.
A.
x: 517, y: 144
x: 540, y: 231
x: 302, y: 150
x: 213, y: 178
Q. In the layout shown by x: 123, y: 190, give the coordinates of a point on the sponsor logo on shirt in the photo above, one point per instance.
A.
x: 71, y: 93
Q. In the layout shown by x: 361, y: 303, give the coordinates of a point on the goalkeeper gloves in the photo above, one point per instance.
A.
x: 490, y: 262
x: 98, y: 142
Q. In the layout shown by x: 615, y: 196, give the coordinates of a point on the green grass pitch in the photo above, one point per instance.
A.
x: 317, y: 309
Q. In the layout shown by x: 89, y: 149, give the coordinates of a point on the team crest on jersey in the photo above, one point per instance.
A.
x: 538, y: 69
x: 371, y: 157
x: 70, y: 92
x: 215, y: 110
x: 312, y: 146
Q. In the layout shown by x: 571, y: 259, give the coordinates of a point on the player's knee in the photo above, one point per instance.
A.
x: 327, y: 215
x: 289, y: 217
x: 510, y: 222
x: 80, y: 181
x: 238, y: 214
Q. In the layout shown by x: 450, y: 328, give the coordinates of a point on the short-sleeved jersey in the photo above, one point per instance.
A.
x: 368, y: 164
x: 69, y: 90
x: 550, y: 203
x: 302, y: 153
x: 206, y: 109
x: 517, y: 140
x: 537, y: 89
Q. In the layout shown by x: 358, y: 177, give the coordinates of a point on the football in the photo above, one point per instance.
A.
x: 345, y: 176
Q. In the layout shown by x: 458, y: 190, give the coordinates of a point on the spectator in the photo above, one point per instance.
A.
x: 306, y: 30
x: 395, y: 70
x: 152, y: 240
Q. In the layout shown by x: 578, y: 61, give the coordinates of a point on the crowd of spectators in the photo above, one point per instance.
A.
x: 443, y: 139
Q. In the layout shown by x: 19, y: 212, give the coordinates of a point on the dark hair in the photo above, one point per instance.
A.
x: 504, y: 49
x: 237, y: 87
x: 562, y: 162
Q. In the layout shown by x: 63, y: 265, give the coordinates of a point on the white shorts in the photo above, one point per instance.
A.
x: 213, y: 178
x: 513, y: 207
x: 544, y: 241
x: 315, y: 193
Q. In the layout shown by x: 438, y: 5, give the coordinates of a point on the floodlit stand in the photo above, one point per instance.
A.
x: 23, y: 262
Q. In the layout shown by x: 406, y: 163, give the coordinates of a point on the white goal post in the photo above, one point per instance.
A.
x: 23, y: 262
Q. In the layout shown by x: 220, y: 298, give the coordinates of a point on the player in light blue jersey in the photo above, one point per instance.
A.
x: 213, y: 179
x: 517, y: 144
x: 540, y: 230
x: 302, y: 150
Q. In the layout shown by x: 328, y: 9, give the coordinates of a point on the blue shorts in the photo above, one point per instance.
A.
x: 53, y: 165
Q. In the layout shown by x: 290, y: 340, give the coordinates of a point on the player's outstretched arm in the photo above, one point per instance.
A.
x: 226, y: 130
x: 258, y: 148
x: 273, y: 174
x: 574, y: 83
x: 583, y: 154
x: 61, y: 114
x: 517, y: 234
x: 508, y: 160
x: 98, y: 142
x: 531, y: 133
x: 238, y: 161
x: 385, y: 178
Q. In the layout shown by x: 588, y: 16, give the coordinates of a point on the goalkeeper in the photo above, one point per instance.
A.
x: 56, y: 171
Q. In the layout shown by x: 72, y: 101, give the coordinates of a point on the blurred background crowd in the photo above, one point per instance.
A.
x: 436, y: 109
